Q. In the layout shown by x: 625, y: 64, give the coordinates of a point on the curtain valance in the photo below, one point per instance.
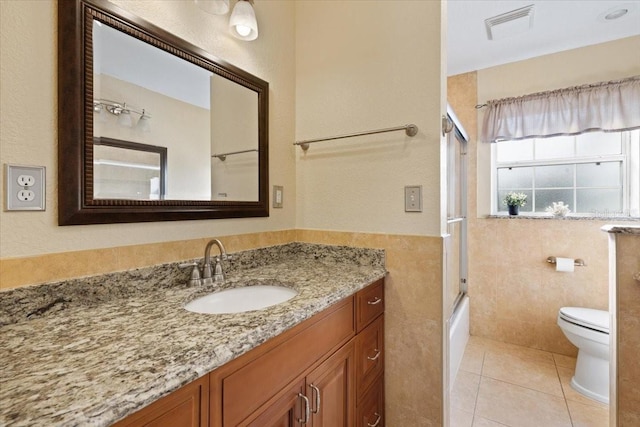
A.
x: 608, y: 106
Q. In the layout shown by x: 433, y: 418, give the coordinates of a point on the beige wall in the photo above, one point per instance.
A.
x: 628, y: 324
x: 28, y: 135
x: 376, y: 65
x: 515, y: 294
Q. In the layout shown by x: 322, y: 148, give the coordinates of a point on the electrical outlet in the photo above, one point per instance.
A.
x: 413, y: 198
x: 24, y: 188
x: 277, y: 196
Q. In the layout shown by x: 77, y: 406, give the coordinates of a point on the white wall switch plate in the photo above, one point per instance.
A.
x: 277, y: 196
x: 413, y: 198
x: 24, y: 188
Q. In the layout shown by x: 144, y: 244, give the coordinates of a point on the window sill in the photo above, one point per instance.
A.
x: 566, y: 218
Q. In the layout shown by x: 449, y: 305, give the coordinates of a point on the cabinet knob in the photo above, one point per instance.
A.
x: 375, y: 301
x: 377, y: 421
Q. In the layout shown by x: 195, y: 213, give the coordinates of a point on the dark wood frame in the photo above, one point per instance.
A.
x: 76, y: 204
x: 129, y: 145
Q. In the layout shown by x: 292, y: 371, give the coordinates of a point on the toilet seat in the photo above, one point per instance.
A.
x: 597, y: 320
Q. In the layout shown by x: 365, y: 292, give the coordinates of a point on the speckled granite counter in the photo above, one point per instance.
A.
x: 91, y: 351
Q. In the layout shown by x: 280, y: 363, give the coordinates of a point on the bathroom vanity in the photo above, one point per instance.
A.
x: 122, y: 349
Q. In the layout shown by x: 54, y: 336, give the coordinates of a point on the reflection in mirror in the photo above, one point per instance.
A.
x: 152, y: 88
x: 128, y: 170
x: 143, y: 94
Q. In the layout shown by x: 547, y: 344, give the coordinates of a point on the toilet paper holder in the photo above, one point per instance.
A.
x: 578, y: 262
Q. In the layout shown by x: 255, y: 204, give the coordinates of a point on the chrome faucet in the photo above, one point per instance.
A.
x: 218, y: 275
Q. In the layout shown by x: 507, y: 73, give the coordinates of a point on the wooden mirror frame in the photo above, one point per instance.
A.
x: 76, y: 204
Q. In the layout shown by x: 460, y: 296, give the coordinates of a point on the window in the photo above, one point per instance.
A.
x: 595, y: 173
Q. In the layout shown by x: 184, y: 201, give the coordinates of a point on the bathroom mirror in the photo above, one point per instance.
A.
x: 124, y: 79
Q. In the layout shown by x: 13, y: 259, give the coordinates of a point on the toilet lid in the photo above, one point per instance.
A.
x: 587, y: 317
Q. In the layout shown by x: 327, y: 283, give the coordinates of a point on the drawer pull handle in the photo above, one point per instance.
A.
x: 315, y: 390
x: 376, y: 356
x: 375, y: 301
x: 306, y: 409
x: 377, y: 420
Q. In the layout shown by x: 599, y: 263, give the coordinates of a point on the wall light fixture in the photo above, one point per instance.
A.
x: 123, y: 112
x: 242, y: 23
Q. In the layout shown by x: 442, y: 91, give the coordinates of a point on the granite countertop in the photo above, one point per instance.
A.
x: 94, y: 350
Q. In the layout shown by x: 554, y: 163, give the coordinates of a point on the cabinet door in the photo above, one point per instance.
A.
x: 371, y: 406
x: 331, y: 390
x: 186, y: 407
x: 287, y: 411
x: 369, y: 354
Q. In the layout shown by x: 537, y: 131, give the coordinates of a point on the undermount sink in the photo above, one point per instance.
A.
x: 242, y: 299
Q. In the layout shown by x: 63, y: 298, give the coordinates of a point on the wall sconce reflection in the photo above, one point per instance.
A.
x: 123, y: 112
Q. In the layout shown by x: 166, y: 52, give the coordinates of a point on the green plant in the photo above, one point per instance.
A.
x: 515, y: 199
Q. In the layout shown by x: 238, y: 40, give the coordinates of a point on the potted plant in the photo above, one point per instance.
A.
x: 514, y: 201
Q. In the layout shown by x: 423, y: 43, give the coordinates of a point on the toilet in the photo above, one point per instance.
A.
x: 588, y: 329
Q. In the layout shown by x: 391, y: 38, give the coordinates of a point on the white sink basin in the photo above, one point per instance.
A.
x: 239, y: 300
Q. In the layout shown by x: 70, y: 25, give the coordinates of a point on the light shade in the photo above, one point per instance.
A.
x: 214, y: 7
x: 144, y: 123
x: 124, y: 118
x: 242, y: 23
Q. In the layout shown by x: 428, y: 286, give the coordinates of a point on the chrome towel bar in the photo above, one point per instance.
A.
x: 577, y: 262
x: 410, y: 130
x: 223, y: 156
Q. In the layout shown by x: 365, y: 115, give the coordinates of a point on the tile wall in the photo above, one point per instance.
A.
x: 628, y: 322
x: 515, y: 294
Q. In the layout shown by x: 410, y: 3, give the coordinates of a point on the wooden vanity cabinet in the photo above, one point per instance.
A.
x: 185, y: 407
x: 320, y: 373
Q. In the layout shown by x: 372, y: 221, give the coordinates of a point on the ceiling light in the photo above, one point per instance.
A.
x: 510, y: 23
x: 242, y: 23
x: 618, y: 11
x: 214, y: 7
x: 616, y: 14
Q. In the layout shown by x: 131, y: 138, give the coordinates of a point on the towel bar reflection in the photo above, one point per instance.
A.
x: 223, y: 156
x: 410, y: 130
x: 577, y: 262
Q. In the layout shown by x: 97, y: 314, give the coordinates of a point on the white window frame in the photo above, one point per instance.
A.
x: 630, y: 159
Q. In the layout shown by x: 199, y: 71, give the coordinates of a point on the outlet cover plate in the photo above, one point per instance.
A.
x: 413, y: 198
x: 277, y: 196
x: 17, y: 174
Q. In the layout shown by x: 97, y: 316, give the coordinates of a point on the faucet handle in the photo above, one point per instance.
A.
x: 195, y: 278
x: 218, y: 273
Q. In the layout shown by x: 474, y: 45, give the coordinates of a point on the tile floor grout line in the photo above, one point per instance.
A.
x: 475, y: 403
x: 566, y: 403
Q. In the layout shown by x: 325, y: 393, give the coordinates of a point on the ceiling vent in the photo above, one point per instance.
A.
x: 510, y: 24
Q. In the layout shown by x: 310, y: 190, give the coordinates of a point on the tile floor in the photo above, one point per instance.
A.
x: 501, y: 384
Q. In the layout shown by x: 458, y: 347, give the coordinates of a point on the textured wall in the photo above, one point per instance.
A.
x: 28, y: 101
x: 628, y: 322
x: 376, y: 65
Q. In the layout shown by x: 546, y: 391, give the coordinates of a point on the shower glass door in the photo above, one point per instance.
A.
x: 456, y: 242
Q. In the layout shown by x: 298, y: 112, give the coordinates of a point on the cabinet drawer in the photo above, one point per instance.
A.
x: 370, y: 354
x: 370, y: 410
x: 369, y: 304
x: 252, y: 385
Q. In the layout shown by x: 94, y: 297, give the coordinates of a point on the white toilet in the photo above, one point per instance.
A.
x: 588, y: 329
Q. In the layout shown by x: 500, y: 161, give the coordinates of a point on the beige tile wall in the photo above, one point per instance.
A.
x: 515, y: 294
x: 628, y: 321
x: 413, y: 325
x: 16, y: 272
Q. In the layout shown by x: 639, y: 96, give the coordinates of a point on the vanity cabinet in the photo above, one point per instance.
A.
x: 185, y: 407
x: 326, y: 371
